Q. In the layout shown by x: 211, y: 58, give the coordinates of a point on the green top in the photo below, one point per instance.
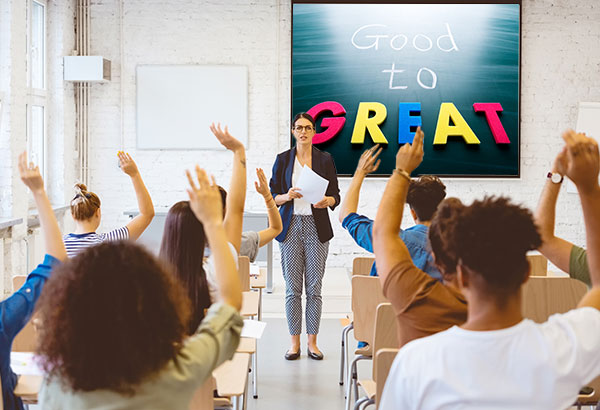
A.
x: 578, y: 265
x: 215, y: 341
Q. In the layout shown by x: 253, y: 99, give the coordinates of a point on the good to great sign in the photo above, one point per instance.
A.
x: 372, y: 73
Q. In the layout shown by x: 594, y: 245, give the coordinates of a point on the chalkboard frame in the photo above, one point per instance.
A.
x: 517, y: 176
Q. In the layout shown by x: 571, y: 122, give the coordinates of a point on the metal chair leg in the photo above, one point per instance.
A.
x: 353, y: 380
x: 255, y: 372
x: 368, y: 403
x: 346, y: 350
x: 360, y: 401
x: 345, y: 331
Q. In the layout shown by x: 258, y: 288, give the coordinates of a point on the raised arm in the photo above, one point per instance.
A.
x: 30, y: 175
x: 205, y: 201
x: 275, y: 224
x: 582, y: 164
x: 138, y: 224
x: 366, y: 164
x: 389, y: 248
x: 557, y: 250
x: 236, y: 196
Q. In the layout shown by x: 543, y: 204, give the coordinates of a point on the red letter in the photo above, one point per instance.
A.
x: 491, y: 115
x: 332, y: 125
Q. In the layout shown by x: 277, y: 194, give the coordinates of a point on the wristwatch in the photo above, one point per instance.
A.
x: 555, y: 177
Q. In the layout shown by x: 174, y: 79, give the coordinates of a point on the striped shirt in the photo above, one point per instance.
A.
x: 75, y: 243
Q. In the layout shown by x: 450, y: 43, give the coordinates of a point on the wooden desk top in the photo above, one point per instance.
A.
x: 231, y: 376
x: 260, y: 281
x: 250, y: 301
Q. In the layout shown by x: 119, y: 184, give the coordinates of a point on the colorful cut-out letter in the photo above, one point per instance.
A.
x: 364, y: 122
x: 332, y: 125
x: 409, y: 115
x: 491, y: 111
x: 448, y: 111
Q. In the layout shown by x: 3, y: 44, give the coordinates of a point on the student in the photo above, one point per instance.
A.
x: 252, y: 241
x: 497, y: 359
x: 424, y: 196
x: 85, y: 209
x: 423, y: 305
x: 16, y: 310
x: 568, y: 257
x: 115, y: 320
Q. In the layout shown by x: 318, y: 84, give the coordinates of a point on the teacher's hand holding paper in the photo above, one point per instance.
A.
x: 293, y: 194
x: 313, y: 187
x: 325, y: 202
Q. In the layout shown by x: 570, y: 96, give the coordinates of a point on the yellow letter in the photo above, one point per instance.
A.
x: 443, y: 129
x: 363, y: 122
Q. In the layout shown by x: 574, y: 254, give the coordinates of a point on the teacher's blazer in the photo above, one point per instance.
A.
x: 281, y: 182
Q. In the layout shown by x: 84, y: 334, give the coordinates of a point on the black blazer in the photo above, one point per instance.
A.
x: 281, y: 182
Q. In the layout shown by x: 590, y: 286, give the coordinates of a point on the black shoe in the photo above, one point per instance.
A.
x: 292, y: 355
x: 314, y: 356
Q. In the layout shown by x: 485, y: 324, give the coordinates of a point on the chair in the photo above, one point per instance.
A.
x: 385, y: 336
x: 26, y: 339
x: 539, y: 265
x: 244, y: 272
x: 544, y: 296
x: 232, y: 380
x: 360, y: 266
x: 251, y: 307
x: 366, y: 296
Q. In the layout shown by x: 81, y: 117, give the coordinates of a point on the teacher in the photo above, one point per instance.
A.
x: 304, y: 241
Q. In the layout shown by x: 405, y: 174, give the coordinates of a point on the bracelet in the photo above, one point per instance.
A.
x: 402, y: 172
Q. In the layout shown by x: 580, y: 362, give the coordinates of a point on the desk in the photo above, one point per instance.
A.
x: 232, y: 378
x: 253, y: 221
x: 27, y: 388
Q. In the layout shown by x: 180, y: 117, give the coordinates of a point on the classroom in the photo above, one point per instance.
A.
x: 120, y: 95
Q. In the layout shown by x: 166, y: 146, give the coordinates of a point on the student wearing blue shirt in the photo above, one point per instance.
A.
x: 424, y: 196
x: 17, y: 309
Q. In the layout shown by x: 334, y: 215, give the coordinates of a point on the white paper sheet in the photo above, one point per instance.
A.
x: 312, y: 185
x: 253, y: 328
x: 24, y: 363
x: 254, y: 270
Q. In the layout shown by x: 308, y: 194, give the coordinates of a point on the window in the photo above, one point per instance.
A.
x: 36, y: 81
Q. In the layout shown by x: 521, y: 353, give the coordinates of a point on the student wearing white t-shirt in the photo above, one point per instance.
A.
x: 497, y: 359
x: 85, y: 209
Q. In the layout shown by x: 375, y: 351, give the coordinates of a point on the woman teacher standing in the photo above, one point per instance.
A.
x: 304, y: 240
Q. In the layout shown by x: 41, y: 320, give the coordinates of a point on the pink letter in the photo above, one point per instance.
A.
x: 332, y: 125
x: 491, y: 115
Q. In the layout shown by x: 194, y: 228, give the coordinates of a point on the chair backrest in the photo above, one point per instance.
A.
x: 545, y: 296
x: 26, y: 339
x: 204, y: 396
x: 366, y: 296
x: 592, y: 398
x: 362, y: 266
x: 244, y: 272
x: 539, y: 265
x: 384, y: 359
x: 385, y: 334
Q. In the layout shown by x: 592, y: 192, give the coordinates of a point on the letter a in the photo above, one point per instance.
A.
x: 448, y: 111
x: 364, y: 122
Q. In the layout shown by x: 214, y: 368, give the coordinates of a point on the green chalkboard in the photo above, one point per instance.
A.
x: 439, y: 53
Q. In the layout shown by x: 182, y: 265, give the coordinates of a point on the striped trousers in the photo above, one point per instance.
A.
x: 303, y: 258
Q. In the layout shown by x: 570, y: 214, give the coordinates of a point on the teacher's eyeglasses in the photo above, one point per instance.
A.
x: 307, y: 128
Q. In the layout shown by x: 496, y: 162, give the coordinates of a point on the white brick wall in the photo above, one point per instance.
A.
x: 14, y: 197
x: 560, y: 66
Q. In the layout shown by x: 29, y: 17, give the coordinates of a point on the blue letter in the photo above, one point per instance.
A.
x: 409, y: 116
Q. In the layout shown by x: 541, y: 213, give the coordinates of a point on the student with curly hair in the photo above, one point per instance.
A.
x: 85, y: 209
x: 16, y: 310
x: 497, y: 359
x: 115, y: 323
x: 424, y: 196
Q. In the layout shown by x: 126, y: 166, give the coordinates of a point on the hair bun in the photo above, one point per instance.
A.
x: 80, y: 189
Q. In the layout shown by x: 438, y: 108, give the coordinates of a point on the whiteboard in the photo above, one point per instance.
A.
x: 588, y: 121
x: 177, y: 103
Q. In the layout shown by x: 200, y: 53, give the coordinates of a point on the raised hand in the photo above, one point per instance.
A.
x: 410, y: 156
x: 368, y: 160
x: 262, y: 186
x: 582, y: 161
x: 127, y: 164
x: 205, y: 199
x: 30, y: 174
x: 225, y: 138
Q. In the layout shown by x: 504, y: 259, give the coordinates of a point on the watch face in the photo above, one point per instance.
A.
x: 556, y: 178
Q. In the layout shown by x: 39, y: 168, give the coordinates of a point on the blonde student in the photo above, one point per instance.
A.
x: 85, y: 209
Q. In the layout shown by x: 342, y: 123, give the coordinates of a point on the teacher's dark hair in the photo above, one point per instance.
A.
x: 303, y: 115
x: 113, y: 317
